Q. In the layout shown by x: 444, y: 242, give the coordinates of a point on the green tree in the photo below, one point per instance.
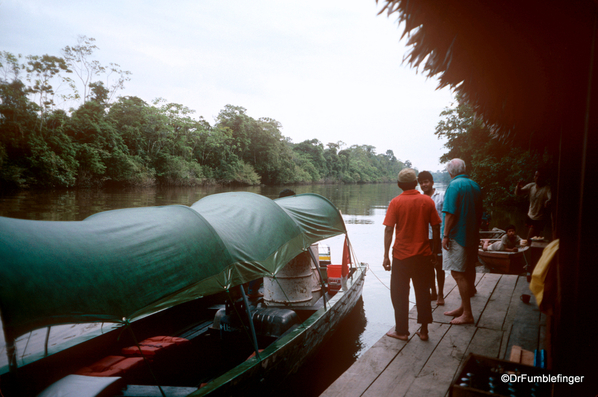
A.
x: 313, y: 149
x: 87, y: 70
x: 41, y: 71
x: 496, y: 165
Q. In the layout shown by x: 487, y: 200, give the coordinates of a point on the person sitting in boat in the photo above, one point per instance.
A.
x: 510, y: 242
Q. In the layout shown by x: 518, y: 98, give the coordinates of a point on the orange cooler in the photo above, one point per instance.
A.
x: 334, y: 278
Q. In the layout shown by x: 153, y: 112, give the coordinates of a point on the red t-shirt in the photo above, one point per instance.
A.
x: 410, y: 213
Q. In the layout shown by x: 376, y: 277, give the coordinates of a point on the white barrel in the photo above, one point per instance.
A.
x: 293, y: 283
x: 316, y: 285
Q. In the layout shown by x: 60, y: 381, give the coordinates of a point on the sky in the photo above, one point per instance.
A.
x: 331, y: 70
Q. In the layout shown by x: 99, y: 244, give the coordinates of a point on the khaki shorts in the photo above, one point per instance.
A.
x: 458, y: 258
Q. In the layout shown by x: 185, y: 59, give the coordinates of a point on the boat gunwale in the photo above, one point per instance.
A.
x: 272, y: 350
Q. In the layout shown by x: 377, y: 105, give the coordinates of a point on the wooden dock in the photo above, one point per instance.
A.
x: 416, y: 368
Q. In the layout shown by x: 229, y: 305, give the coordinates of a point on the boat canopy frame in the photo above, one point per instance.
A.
x: 121, y: 265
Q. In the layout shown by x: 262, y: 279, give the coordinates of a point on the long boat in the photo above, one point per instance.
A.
x: 167, y: 284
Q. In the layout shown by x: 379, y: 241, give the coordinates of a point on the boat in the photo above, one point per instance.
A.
x: 167, y: 285
x: 501, y: 262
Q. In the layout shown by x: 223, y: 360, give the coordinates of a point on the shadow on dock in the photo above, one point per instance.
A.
x: 417, y: 368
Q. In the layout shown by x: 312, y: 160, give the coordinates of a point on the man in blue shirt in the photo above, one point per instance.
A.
x: 462, y: 211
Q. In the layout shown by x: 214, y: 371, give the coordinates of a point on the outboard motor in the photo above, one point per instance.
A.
x: 227, y: 320
x: 269, y: 322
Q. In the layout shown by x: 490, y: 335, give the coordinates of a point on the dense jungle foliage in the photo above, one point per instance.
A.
x: 104, y: 139
x: 496, y: 165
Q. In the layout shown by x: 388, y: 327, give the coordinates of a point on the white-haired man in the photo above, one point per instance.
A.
x: 462, y: 211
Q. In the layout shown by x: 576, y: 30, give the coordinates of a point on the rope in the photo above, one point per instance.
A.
x: 282, y: 289
x: 381, y: 282
x: 378, y: 278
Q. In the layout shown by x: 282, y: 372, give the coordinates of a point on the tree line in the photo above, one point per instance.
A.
x: 496, y: 165
x: 106, y: 139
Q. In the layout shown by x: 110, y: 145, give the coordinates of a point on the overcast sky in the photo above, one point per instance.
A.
x: 330, y: 70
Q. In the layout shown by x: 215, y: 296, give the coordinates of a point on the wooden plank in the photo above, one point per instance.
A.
x: 451, y: 300
x: 504, y: 344
x: 521, y: 287
x: 401, y: 372
x: 485, y: 342
x: 527, y: 357
x: 526, y: 317
x: 369, y: 366
x: 485, y: 288
x: 496, y: 309
x: 486, y: 282
x: 436, y: 376
x: 449, y: 283
x: 428, y: 368
x: 515, y: 354
x: 450, y: 289
x: 519, y: 355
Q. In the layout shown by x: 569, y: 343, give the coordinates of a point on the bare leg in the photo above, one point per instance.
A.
x: 393, y: 334
x: 432, y: 280
x: 433, y: 293
x: 531, y: 232
x: 470, y: 276
x: 440, y: 277
x: 423, y: 332
x: 463, y: 314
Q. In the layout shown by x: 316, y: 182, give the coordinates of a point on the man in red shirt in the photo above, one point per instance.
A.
x: 409, y: 215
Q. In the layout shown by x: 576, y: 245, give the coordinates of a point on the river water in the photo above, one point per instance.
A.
x: 363, y: 208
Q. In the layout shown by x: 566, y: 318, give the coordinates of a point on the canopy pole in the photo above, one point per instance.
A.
x: 13, y: 384
x: 317, y: 263
x: 353, y: 255
x: 47, y: 341
x: 251, y: 327
x: 128, y: 325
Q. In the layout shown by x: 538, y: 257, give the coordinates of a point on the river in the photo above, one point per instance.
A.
x: 363, y: 208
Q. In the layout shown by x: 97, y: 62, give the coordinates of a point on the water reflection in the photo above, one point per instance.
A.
x: 337, y: 354
x: 73, y: 205
x: 357, y: 221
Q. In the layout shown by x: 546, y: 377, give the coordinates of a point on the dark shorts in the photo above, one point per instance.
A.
x: 538, y: 225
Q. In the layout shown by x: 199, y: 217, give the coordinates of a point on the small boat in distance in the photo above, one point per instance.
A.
x: 501, y: 262
x: 171, y: 281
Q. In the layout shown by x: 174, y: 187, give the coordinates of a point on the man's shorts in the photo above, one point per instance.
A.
x: 538, y: 225
x: 458, y: 258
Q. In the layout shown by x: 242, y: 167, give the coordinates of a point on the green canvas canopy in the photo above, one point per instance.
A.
x: 120, y: 265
